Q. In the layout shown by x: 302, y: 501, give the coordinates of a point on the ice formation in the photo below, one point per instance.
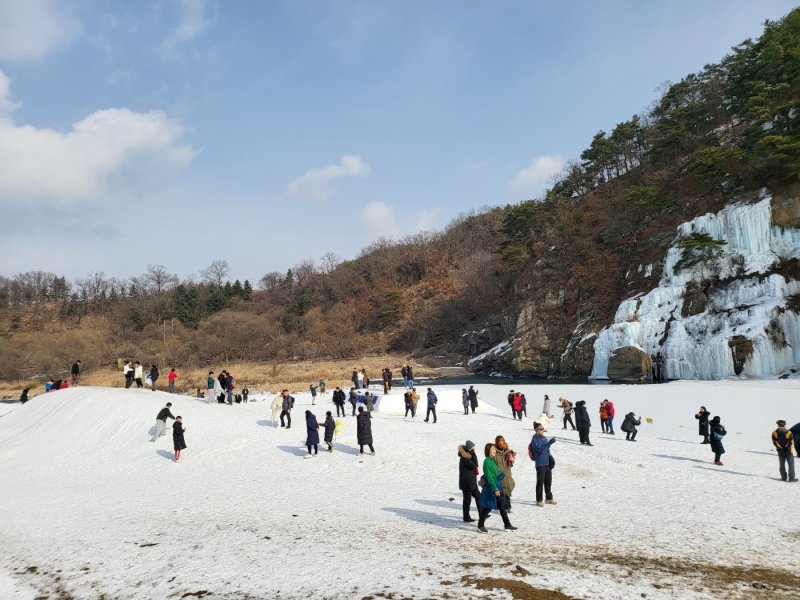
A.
x: 752, y: 305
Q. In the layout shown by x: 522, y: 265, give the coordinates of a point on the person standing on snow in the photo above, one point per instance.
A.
x: 611, y: 414
x: 364, y: 431
x: 603, y: 416
x: 287, y: 403
x: 127, y: 372
x: 137, y: 375
x: 313, y: 389
x: 523, y: 402
x: 468, y: 478
x: 277, y: 401
x: 583, y: 422
x: 465, y: 400
x: 782, y: 439
x: 353, y: 398
x: 629, y: 426
x: 432, y: 400
x: 178, y: 442
x: 702, y: 421
x: 410, y: 374
x: 338, y: 400
x: 566, y: 407
x: 161, y: 421
x: 516, y: 406
x: 408, y: 404
x: 504, y: 459
x: 312, y: 433
x: 492, y: 495
x: 414, y: 402
x: 795, y: 429
x: 546, y: 406
x: 330, y: 429
x: 153, y: 377
x: 473, y: 398
x: 210, y: 395
x: 171, y: 380
x: 717, y: 433
x: 540, y: 448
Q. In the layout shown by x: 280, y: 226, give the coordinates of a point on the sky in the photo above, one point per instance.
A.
x: 265, y: 134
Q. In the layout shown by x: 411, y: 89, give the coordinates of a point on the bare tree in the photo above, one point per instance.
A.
x: 216, y: 273
x: 159, y: 279
x: 329, y: 262
x: 305, y: 272
x: 96, y: 285
x: 270, y: 281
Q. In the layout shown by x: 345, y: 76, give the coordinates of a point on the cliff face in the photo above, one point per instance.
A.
x: 726, y: 304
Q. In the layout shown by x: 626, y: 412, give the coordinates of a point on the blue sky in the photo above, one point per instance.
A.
x: 178, y: 132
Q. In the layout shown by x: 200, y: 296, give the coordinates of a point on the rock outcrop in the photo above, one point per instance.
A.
x: 630, y: 364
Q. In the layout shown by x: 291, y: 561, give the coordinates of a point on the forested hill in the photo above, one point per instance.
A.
x: 541, y: 275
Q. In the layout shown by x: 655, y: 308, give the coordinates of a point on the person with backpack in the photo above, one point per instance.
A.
x: 566, y: 408
x: 540, y: 451
x: 717, y: 433
x: 287, y: 404
x: 491, y: 496
x: 702, y: 416
x: 629, y: 425
x: 312, y: 433
x: 583, y: 422
x: 161, y: 421
x: 468, y: 478
x: 782, y: 439
x: 432, y: 401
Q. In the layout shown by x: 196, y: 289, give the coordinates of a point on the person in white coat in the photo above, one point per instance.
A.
x: 218, y: 391
x: 277, y: 403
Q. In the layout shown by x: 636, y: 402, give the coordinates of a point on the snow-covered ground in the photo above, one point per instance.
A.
x: 92, y: 509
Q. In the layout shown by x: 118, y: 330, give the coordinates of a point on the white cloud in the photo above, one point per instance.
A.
x: 193, y: 21
x: 32, y: 28
x: 109, y: 154
x: 7, y: 106
x: 425, y: 220
x: 315, y: 184
x: 535, y: 179
x: 379, y: 219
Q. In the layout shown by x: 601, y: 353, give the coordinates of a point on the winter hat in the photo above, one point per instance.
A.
x: 169, y: 403
x: 781, y: 423
x: 469, y: 444
x: 536, y: 425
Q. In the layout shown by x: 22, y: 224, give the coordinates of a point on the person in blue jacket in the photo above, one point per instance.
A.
x: 540, y: 447
x: 432, y: 400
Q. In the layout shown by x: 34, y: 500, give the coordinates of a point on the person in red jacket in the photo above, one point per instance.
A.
x: 171, y: 380
x: 610, y: 422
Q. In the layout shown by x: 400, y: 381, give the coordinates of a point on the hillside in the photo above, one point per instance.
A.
x: 520, y: 289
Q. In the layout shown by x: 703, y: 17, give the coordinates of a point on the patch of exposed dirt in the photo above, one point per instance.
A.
x: 518, y: 589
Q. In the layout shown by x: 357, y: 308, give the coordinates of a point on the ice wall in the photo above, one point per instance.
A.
x: 753, y: 305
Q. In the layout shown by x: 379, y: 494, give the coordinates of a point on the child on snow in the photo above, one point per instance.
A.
x: 330, y: 428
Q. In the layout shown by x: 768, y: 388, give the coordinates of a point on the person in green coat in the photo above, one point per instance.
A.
x: 491, y: 473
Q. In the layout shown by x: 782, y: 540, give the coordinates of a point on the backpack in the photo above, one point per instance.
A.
x: 530, y: 452
x: 291, y: 401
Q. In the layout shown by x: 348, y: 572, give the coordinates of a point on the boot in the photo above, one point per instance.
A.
x: 550, y: 501
x: 718, y: 463
x: 540, y: 503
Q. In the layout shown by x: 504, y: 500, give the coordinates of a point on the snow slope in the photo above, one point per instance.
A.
x: 92, y: 509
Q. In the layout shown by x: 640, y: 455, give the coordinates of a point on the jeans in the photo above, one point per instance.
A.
x: 171, y: 386
x: 786, y: 457
x: 610, y: 425
x: 544, y: 478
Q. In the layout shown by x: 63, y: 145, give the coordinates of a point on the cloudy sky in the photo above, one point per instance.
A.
x: 177, y: 132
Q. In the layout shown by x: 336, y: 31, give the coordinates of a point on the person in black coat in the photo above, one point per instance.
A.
x: 23, y: 397
x: 330, y: 429
x: 338, y: 400
x: 312, y: 433
x: 629, y: 426
x: 177, y: 437
x: 154, y: 378
x: 364, y: 430
x: 467, y: 478
x: 702, y: 423
x: 582, y: 422
x: 717, y: 433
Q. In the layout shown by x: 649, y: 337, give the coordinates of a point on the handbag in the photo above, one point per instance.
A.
x: 552, y: 462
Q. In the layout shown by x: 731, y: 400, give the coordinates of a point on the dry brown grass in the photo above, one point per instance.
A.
x: 265, y: 377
